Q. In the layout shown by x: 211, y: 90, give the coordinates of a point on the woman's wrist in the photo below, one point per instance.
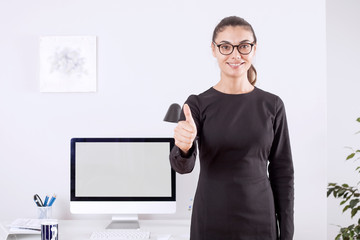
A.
x: 186, y: 153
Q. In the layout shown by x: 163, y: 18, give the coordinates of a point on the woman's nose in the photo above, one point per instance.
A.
x: 236, y: 54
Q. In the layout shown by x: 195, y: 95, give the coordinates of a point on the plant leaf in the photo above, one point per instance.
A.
x: 341, y: 192
x: 353, y: 212
x: 338, y: 236
x: 354, y: 202
x: 349, y: 197
x: 350, y: 156
x: 357, y: 229
x: 346, y: 208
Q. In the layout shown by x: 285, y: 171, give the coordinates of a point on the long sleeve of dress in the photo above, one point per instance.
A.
x: 281, y: 173
x: 185, y: 164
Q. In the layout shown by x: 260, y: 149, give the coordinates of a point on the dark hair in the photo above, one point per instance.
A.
x: 237, y: 21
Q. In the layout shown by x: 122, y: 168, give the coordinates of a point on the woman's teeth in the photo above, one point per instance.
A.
x: 234, y: 64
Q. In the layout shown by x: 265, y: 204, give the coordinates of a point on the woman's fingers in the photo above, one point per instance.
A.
x: 184, y: 135
x: 185, y: 129
x: 186, y: 126
x: 183, y: 138
x: 183, y: 146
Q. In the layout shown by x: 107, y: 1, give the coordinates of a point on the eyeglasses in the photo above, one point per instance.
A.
x: 227, y: 48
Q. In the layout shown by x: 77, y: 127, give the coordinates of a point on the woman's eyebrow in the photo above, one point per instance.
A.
x: 243, y: 41
x: 224, y: 41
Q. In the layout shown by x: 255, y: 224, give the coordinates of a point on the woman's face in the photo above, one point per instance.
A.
x: 234, y: 65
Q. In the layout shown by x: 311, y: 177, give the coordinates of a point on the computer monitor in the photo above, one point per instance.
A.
x: 123, y: 177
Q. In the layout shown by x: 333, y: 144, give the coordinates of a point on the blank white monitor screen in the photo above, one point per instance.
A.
x: 125, y: 169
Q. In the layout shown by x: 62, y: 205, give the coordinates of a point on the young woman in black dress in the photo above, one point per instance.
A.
x: 246, y: 183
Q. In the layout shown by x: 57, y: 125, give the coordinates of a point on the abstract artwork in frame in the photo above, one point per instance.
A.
x: 68, y: 64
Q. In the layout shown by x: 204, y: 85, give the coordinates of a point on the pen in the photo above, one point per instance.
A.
x: 46, y: 200
x: 38, y: 201
x: 52, y: 200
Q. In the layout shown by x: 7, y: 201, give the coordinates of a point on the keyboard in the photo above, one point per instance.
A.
x: 120, y: 235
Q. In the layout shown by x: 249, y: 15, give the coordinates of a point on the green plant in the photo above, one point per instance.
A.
x: 350, y: 196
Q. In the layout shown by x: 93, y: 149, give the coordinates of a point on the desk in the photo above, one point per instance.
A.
x: 82, y: 229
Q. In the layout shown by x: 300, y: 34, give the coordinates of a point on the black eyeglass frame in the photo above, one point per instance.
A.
x: 233, y: 46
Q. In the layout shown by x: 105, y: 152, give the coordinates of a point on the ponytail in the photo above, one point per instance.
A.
x: 252, y: 75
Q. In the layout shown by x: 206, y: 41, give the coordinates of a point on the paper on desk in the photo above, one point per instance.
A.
x: 23, y: 231
x: 26, y: 225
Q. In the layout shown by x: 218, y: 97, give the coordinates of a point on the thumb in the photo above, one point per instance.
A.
x: 187, y: 113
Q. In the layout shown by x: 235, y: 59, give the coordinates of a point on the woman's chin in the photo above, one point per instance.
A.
x: 236, y: 74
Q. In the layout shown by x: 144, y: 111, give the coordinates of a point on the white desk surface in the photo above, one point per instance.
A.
x: 82, y: 229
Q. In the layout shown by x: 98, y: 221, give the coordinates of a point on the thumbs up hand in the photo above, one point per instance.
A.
x: 185, y: 132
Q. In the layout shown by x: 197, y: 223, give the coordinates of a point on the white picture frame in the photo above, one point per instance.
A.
x: 68, y: 64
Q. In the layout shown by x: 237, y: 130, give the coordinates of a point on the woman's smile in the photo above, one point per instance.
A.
x: 235, y: 65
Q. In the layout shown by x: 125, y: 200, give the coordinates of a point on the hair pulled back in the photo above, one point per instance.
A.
x: 235, y: 21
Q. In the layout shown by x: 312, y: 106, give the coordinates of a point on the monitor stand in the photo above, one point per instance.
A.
x: 124, y: 222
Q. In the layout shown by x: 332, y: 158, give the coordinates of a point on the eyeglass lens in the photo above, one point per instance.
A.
x: 227, y: 49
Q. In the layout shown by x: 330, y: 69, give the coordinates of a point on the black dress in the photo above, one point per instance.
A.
x: 237, y: 136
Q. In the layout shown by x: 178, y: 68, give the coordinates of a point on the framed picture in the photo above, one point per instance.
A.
x: 68, y: 64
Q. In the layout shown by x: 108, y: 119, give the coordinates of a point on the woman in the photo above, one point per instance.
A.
x: 242, y: 134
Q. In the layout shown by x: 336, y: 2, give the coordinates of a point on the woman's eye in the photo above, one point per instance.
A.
x: 226, y: 47
x: 244, y: 46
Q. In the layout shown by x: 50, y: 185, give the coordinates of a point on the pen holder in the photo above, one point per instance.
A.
x: 44, y: 212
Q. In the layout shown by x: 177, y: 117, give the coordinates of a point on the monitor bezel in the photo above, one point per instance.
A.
x: 74, y: 198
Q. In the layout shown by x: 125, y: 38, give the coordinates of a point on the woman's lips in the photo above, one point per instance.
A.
x: 235, y: 65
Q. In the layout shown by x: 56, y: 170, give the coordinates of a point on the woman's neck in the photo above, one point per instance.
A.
x: 234, y: 85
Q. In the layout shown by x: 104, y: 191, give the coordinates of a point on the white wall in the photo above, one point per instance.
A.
x: 35, y: 128
x: 343, y: 51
